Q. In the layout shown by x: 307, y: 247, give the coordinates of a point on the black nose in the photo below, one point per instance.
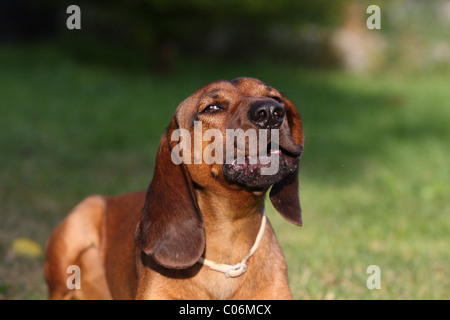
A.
x: 267, y: 114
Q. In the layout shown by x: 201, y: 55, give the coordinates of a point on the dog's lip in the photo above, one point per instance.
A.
x: 247, y: 170
x: 254, y: 162
x: 295, y: 152
x: 291, y: 149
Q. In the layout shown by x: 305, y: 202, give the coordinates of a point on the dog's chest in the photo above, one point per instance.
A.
x: 217, y: 285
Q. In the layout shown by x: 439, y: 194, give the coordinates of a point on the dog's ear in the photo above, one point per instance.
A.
x: 284, y: 194
x: 171, y: 229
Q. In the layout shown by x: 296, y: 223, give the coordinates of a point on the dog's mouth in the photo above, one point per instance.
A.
x: 264, y: 169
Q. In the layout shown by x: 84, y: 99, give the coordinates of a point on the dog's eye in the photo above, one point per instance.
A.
x: 211, y: 109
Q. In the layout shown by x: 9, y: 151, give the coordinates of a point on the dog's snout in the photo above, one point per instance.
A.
x: 267, y: 114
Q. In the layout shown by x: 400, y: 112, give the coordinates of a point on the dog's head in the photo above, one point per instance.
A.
x: 237, y: 135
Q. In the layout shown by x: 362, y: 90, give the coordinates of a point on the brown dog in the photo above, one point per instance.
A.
x: 175, y: 240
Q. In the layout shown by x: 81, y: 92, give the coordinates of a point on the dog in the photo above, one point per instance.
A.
x: 200, y: 230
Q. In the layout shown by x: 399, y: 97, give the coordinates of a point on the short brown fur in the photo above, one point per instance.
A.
x: 145, y: 245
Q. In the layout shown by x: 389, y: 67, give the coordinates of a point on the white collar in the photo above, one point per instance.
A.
x: 239, y: 268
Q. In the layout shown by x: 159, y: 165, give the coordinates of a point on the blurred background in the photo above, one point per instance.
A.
x: 82, y: 112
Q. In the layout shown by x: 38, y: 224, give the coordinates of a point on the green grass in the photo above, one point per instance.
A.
x: 374, y: 178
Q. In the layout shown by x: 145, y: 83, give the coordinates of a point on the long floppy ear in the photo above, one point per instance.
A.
x: 284, y: 194
x: 171, y: 229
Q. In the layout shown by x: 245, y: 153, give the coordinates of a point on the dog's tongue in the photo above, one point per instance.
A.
x: 290, y: 146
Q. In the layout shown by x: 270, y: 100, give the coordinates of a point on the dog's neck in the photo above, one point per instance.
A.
x: 231, y: 225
